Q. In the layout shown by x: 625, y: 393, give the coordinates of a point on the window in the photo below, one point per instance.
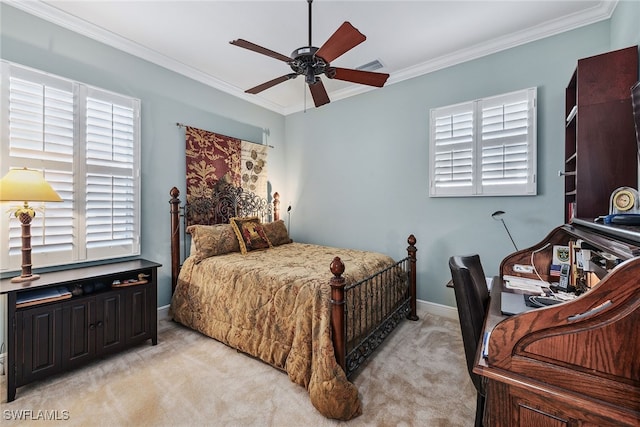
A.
x: 86, y: 141
x: 485, y: 147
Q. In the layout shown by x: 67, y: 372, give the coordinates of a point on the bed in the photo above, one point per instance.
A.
x: 313, y: 311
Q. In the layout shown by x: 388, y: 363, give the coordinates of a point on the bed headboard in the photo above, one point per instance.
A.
x: 226, y: 202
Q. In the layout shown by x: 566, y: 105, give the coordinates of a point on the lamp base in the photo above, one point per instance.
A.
x: 21, y: 279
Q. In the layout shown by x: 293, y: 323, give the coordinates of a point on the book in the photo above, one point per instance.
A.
x: 41, y: 296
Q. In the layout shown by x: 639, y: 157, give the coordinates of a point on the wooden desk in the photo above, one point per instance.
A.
x: 572, y: 364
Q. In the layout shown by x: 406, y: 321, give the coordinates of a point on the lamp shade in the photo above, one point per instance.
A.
x: 22, y: 185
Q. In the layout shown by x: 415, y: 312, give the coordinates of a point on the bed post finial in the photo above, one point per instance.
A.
x: 175, y: 236
x: 276, y: 206
x: 337, y: 283
x: 411, y: 251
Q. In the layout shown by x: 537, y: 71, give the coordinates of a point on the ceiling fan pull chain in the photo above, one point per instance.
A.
x: 304, y: 94
x: 310, y: 1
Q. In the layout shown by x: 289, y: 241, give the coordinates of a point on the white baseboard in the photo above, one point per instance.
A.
x: 437, y: 309
x: 163, y: 312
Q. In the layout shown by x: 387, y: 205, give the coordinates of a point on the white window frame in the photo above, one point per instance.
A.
x: 463, y: 145
x: 62, y: 232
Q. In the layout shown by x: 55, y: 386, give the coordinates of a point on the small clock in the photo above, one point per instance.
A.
x: 624, y: 200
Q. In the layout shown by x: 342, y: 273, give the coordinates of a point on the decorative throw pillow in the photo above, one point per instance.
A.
x: 212, y: 240
x: 251, y: 235
x: 277, y: 233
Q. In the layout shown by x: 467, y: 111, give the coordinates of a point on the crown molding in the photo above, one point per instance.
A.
x: 77, y: 25
x: 598, y: 13
x: 603, y: 10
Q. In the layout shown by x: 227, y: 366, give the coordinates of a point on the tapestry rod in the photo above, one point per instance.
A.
x: 182, y: 125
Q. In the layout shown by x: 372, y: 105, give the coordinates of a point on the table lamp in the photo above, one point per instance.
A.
x: 26, y: 185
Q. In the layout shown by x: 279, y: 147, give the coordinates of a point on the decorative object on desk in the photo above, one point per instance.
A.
x: 624, y: 207
x: 624, y: 200
x: 497, y: 215
x: 25, y: 185
x: 561, y: 255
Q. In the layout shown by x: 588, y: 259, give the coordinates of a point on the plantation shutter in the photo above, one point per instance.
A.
x: 508, y: 160
x: 40, y: 136
x: 86, y: 142
x: 111, y: 174
x: 452, y: 150
x: 485, y: 147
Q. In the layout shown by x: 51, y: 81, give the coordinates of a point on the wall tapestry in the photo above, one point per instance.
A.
x: 214, y: 159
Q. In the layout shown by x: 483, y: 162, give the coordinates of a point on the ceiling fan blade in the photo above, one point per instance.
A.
x: 263, y: 50
x: 319, y: 93
x: 271, y: 83
x: 344, y: 39
x: 357, y: 76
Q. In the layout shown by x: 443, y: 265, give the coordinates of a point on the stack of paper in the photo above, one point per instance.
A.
x: 529, y: 286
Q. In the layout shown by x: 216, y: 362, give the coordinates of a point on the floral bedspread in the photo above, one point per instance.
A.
x: 274, y: 304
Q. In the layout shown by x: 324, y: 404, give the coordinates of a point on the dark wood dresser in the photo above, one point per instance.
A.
x: 71, y: 317
x: 575, y: 363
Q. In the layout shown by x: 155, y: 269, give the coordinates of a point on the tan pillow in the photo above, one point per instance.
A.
x: 212, y: 240
x: 277, y: 233
x: 251, y: 235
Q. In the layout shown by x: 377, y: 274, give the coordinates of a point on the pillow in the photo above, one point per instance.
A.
x: 251, y: 235
x: 277, y: 233
x: 212, y: 240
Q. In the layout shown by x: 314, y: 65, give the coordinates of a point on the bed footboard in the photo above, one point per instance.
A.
x: 364, y: 313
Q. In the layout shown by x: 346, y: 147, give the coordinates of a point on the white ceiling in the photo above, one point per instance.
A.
x: 409, y: 38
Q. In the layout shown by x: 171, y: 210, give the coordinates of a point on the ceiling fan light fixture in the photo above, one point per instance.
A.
x: 311, y: 62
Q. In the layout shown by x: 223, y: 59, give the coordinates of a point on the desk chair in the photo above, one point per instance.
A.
x: 472, y: 299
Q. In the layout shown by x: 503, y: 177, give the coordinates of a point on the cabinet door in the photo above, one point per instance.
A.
x: 39, y: 347
x: 110, y: 322
x: 79, y: 331
x: 138, y: 314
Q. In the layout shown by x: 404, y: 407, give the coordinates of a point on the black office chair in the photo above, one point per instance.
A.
x: 472, y: 298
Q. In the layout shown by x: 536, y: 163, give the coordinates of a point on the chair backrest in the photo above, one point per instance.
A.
x: 472, y: 299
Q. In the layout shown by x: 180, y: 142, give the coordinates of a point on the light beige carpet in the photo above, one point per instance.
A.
x: 417, y: 378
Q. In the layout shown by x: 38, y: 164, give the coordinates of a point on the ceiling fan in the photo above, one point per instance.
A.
x: 311, y: 62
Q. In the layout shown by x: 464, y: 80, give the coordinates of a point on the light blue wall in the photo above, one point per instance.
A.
x: 357, y: 168
x: 167, y: 98
x: 355, y: 171
x: 625, y: 24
